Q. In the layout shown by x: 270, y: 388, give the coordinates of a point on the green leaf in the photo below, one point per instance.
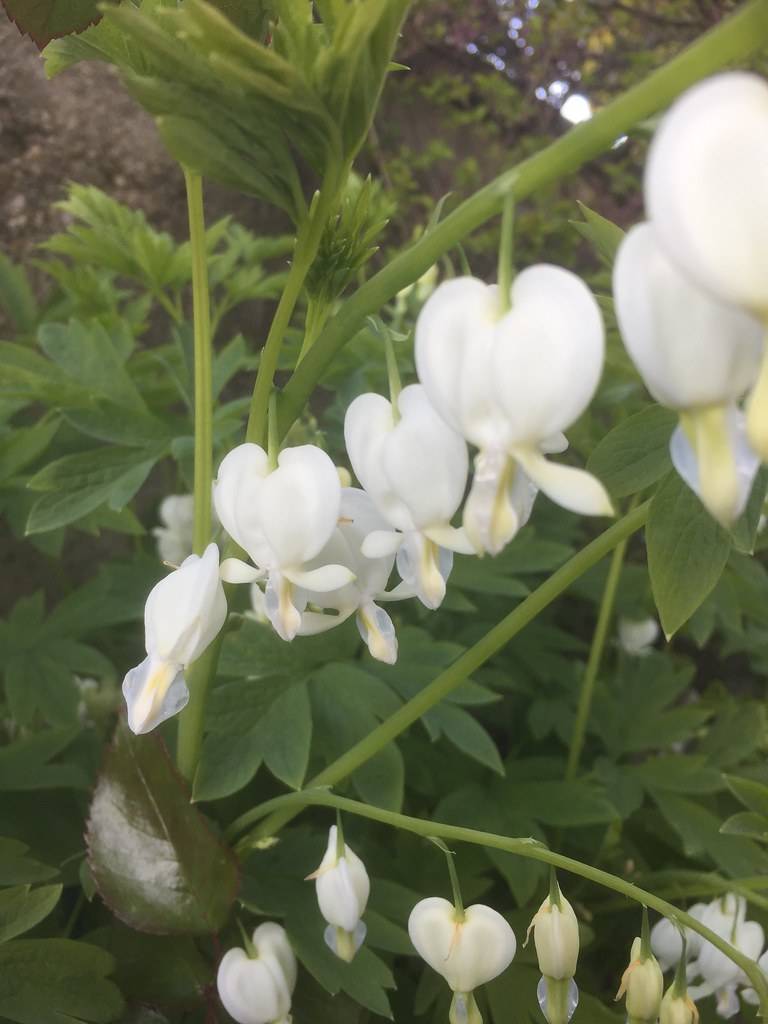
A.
x: 746, y: 823
x: 24, y: 764
x: 22, y: 446
x: 604, y: 235
x: 16, y: 295
x: 286, y: 733
x: 753, y: 794
x: 46, y: 19
x: 467, y: 735
x: 744, y: 530
x: 635, y: 454
x: 21, y: 908
x: 57, y: 981
x: 155, y: 968
x: 678, y: 773
x: 155, y: 861
x: 18, y: 868
x: 699, y: 830
x: 687, y: 552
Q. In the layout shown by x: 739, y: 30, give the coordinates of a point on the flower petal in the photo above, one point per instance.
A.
x: 154, y: 691
x: 327, y: 577
x: 235, y: 570
x: 571, y: 488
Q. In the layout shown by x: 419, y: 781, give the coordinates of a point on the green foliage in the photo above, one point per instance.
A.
x: 687, y: 552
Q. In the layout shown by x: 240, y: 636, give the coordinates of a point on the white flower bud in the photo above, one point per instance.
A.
x: 257, y: 988
x: 183, y: 614
x: 637, y: 637
x: 643, y: 985
x: 676, y: 1009
x: 556, y: 936
x: 342, y: 886
x: 467, y: 950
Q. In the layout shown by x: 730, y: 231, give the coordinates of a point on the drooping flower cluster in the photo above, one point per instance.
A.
x: 711, y: 970
x: 690, y: 290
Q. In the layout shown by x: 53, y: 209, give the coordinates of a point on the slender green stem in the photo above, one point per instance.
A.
x: 529, y: 848
x: 318, y: 311
x: 595, y: 656
x: 203, y: 364
x: 307, y: 242
x: 472, y: 659
x: 393, y: 376
x: 734, y: 39
x: 191, y: 719
x: 505, y: 272
x: 190, y: 736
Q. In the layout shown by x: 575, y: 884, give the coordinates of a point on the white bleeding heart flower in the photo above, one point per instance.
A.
x: 718, y: 973
x: 510, y: 384
x: 174, y: 536
x: 357, y: 520
x: 643, y: 986
x: 707, y: 196
x: 468, y: 949
x: 667, y: 943
x: 282, y: 517
x: 414, y: 467
x: 637, y: 636
x: 697, y: 356
x: 342, y: 886
x: 255, y: 987
x: 182, y: 615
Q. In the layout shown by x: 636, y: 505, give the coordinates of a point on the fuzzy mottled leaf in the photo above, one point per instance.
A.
x: 44, y: 20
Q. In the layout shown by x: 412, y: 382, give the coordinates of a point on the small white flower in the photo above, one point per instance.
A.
x: 174, y: 536
x: 510, y: 385
x: 257, y: 988
x: 283, y: 518
x: 643, y: 985
x: 469, y: 950
x: 183, y: 614
x: 358, y: 519
x: 719, y: 975
x: 342, y: 886
x: 556, y: 937
x: 696, y: 356
x: 637, y: 636
x: 414, y: 467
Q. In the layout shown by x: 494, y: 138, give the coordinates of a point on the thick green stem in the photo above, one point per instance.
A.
x: 471, y: 660
x: 201, y: 308
x: 191, y: 719
x: 530, y: 848
x: 734, y: 39
x: 190, y: 736
x: 595, y: 656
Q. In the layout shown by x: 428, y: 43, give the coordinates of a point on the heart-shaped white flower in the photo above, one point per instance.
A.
x: 467, y: 952
x: 257, y: 988
x: 283, y: 517
x: 510, y: 384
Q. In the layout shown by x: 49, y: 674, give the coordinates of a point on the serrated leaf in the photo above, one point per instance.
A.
x: 687, y: 552
x: 44, y: 20
x: 154, y: 858
x: 635, y: 454
x: 21, y: 908
x: 57, y: 981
